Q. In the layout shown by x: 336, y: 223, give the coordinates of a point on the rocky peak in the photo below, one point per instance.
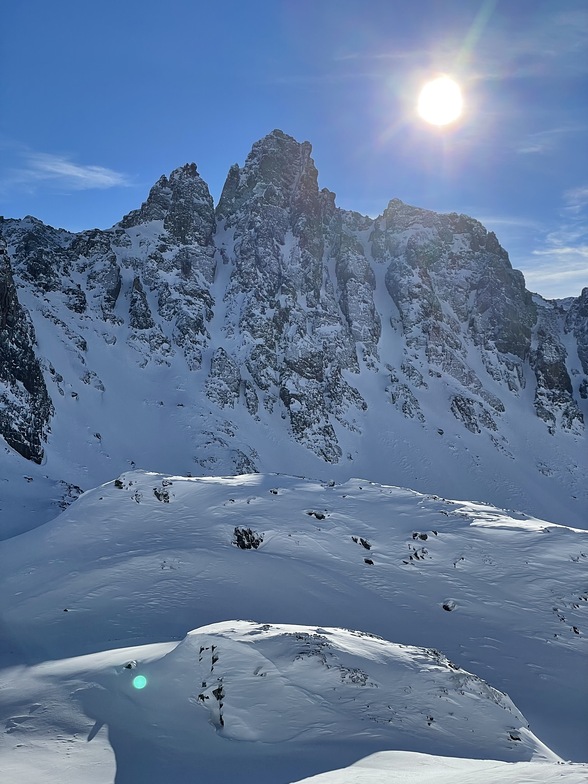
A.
x: 275, y: 197
x: 38, y: 251
x: 278, y: 173
x: 289, y: 323
x: 453, y: 283
x: 183, y: 203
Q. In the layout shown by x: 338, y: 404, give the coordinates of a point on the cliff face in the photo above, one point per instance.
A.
x: 25, y: 407
x: 289, y: 334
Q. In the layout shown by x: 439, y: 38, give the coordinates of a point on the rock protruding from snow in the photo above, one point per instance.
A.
x: 281, y: 298
x: 25, y: 406
x: 577, y: 324
x: 279, y: 683
x: 184, y: 205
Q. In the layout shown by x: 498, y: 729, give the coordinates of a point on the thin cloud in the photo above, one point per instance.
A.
x: 562, y: 272
x: 538, y: 143
x: 550, y: 42
x: 532, y: 148
x: 43, y: 166
x: 508, y: 221
x: 546, y: 141
x: 411, y: 54
x: 576, y: 200
x: 59, y: 172
x: 578, y: 251
x: 560, y: 266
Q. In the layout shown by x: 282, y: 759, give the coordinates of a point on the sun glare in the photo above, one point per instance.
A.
x: 440, y: 101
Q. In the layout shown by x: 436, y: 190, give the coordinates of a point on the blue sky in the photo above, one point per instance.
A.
x: 97, y: 100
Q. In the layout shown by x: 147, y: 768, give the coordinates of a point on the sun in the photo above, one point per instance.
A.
x: 440, y: 101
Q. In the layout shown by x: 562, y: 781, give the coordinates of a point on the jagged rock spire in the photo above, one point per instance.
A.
x: 184, y: 204
x: 278, y: 172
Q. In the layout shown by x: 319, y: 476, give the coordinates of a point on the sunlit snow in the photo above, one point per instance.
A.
x: 127, y: 586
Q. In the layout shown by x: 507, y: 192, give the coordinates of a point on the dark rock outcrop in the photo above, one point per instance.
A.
x: 25, y: 407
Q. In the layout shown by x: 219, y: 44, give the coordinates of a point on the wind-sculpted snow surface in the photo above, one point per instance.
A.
x: 280, y: 332
x: 399, y: 767
x: 265, y: 702
x: 301, y: 682
x: 149, y: 557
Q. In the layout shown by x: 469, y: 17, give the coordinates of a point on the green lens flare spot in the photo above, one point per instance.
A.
x: 139, y: 682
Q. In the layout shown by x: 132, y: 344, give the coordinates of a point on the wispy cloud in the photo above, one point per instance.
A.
x: 541, y: 142
x: 34, y: 170
x: 576, y: 199
x: 508, y: 221
x: 559, y: 267
x: 569, y: 251
x: 43, y: 166
x: 546, y: 141
x: 391, y: 56
x: 555, y: 40
x: 557, y: 272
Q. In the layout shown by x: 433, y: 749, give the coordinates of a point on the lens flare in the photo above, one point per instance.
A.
x: 440, y: 101
x: 139, y: 681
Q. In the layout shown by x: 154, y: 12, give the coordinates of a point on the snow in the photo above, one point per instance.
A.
x: 124, y: 575
x: 520, y: 466
x: 405, y: 767
x: 446, y: 639
x: 234, y: 695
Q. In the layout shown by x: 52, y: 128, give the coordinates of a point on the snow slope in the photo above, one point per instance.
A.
x: 253, y: 702
x: 402, y: 767
x: 144, y: 560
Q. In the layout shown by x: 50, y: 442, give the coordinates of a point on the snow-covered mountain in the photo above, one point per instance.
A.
x: 279, y: 332
x: 115, y: 631
x: 274, y: 338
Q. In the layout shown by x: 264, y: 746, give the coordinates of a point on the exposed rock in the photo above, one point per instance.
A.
x: 182, y: 203
x: 577, y: 323
x: 25, y: 407
x: 291, y: 311
x: 224, y: 381
x: 554, y: 401
x: 247, y: 538
x: 139, y: 313
x: 404, y: 399
x: 472, y: 413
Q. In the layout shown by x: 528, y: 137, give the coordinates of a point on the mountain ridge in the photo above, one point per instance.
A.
x: 278, y: 330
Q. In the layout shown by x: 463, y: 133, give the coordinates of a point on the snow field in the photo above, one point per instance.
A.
x: 149, y: 557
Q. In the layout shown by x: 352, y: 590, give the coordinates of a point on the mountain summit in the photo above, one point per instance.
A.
x: 280, y: 332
